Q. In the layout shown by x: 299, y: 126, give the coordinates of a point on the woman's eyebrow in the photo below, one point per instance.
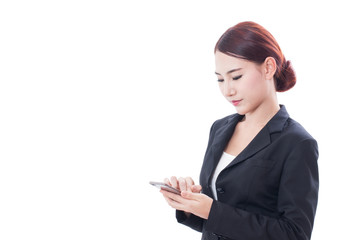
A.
x: 232, y: 70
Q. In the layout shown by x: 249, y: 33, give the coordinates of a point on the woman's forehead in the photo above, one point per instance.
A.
x: 225, y: 64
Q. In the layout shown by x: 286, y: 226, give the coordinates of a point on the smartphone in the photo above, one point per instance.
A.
x: 164, y: 186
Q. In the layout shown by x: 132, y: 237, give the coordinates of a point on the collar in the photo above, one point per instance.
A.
x: 277, y: 122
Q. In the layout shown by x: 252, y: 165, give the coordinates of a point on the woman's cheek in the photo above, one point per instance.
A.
x: 221, y: 87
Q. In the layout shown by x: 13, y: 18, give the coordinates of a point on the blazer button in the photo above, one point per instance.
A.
x: 220, y: 190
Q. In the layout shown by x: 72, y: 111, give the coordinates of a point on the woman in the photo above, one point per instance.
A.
x: 259, y: 178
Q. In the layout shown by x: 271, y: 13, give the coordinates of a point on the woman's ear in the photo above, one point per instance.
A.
x: 269, y: 67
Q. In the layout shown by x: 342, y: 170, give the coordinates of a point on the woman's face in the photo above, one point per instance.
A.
x: 243, y: 83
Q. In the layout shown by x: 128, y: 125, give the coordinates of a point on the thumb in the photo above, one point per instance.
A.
x: 196, y: 188
x: 188, y: 195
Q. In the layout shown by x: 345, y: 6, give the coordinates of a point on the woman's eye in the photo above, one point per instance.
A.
x: 220, y: 80
x: 238, y: 77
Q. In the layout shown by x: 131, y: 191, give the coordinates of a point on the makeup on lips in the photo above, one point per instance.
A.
x: 235, y: 102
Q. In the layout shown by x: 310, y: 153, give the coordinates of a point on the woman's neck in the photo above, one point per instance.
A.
x: 260, y: 116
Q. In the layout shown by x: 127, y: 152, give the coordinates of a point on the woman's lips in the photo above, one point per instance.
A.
x: 236, y: 102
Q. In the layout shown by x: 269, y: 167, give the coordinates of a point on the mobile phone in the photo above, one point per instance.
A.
x: 166, y: 187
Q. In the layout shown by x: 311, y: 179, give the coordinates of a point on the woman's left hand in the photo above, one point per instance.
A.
x: 198, y: 204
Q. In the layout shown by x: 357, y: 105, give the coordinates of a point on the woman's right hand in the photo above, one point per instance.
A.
x: 183, y: 184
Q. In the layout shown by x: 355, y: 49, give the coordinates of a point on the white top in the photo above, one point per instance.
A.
x: 225, y: 160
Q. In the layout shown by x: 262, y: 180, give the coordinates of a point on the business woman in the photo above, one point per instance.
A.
x: 259, y: 178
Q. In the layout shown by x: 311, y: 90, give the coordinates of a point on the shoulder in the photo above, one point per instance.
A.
x: 295, y: 145
x: 294, y: 134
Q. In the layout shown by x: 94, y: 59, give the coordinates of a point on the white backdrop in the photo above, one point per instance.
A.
x: 97, y: 98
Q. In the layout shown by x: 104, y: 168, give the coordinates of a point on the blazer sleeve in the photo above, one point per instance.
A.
x: 297, y: 201
x: 192, y: 221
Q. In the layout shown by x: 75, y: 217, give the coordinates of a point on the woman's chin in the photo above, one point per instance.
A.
x: 240, y: 110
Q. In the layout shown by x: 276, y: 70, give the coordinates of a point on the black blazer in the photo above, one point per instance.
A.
x: 269, y: 191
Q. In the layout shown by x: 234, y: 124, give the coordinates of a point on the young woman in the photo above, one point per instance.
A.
x: 259, y: 178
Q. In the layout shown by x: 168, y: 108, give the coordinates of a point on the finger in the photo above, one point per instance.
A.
x: 189, y: 195
x: 167, y: 181
x: 175, y: 204
x: 174, y: 182
x: 196, y: 188
x: 168, y: 200
x: 173, y: 196
x: 189, y: 183
x: 182, y: 184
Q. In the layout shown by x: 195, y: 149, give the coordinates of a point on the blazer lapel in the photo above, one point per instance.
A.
x: 260, y: 141
x: 263, y: 138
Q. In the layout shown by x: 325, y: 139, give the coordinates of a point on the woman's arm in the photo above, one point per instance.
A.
x: 191, y: 220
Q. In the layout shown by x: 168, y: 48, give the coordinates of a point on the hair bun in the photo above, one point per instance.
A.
x: 286, y: 78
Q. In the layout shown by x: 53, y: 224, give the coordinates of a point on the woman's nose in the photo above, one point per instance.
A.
x: 229, y: 89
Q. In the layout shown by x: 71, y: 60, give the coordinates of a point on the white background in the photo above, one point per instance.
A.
x: 97, y: 98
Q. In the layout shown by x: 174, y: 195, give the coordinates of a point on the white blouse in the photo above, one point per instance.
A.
x: 225, y: 160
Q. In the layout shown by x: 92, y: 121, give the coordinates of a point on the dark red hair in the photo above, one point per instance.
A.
x: 250, y: 41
